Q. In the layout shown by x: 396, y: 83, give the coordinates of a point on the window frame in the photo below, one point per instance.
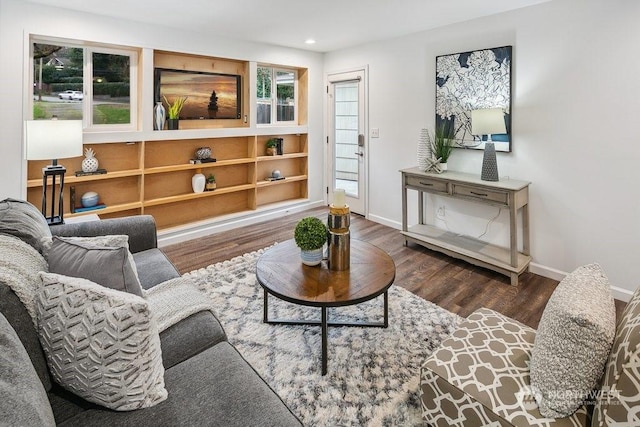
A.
x: 273, y: 100
x: 88, y: 49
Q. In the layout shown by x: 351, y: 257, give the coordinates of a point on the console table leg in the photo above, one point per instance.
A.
x: 514, y: 279
x: 324, y: 340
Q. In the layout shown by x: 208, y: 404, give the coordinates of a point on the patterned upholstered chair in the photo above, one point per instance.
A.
x: 480, y: 376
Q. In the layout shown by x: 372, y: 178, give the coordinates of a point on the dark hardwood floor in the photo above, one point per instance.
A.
x: 452, y: 284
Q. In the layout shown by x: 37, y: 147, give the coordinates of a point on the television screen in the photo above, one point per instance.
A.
x: 209, y: 95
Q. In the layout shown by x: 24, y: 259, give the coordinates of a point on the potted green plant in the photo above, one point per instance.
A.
x: 442, y: 143
x: 173, y: 111
x: 271, y: 147
x: 211, y: 182
x: 310, y: 235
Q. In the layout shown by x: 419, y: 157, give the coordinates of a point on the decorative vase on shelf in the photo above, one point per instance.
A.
x: 158, y: 116
x: 173, y: 124
x: 424, y: 150
x: 89, y: 163
x: 198, y: 182
x: 443, y: 166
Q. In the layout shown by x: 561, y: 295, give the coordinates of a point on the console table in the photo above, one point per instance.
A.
x: 507, y: 193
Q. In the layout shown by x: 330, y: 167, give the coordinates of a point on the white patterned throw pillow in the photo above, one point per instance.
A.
x: 100, y: 343
x: 573, y: 341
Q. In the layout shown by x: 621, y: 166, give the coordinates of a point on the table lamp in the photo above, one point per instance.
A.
x: 53, y: 139
x: 488, y: 121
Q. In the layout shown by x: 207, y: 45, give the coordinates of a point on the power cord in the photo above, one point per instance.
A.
x: 486, y: 229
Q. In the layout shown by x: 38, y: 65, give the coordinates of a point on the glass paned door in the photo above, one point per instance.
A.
x: 347, y: 140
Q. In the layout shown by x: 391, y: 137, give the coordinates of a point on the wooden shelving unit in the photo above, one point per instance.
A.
x: 149, y: 172
x: 154, y: 177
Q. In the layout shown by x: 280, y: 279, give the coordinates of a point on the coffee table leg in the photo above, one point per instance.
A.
x: 265, y: 308
x: 324, y: 340
x: 386, y: 309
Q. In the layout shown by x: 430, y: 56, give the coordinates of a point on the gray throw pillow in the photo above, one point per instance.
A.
x: 23, y: 399
x: 573, y: 341
x: 105, y: 260
x: 24, y: 221
x: 100, y: 344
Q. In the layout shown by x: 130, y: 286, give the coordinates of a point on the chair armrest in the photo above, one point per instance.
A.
x: 141, y: 230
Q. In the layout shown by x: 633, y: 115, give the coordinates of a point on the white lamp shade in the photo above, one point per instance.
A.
x: 52, y: 139
x: 487, y: 121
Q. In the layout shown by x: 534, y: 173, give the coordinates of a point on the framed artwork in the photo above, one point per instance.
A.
x: 209, y: 95
x: 469, y: 81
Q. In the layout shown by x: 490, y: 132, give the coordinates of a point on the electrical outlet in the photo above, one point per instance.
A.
x: 441, y: 212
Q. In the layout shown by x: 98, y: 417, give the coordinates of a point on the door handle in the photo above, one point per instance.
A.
x: 359, y: 154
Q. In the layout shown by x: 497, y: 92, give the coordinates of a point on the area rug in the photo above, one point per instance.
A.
x: 373, y: 373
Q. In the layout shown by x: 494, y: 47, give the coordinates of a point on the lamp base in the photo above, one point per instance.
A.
x: 489, y: 163
x: 54, y: 220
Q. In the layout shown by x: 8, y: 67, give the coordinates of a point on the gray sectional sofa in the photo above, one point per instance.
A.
x: 207, y: 380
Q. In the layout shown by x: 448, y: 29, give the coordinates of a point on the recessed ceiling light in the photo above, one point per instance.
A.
x: 310, y: 41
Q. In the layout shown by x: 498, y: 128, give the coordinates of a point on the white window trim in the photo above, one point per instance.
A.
x: 87, y: 78
x: 274, y: 96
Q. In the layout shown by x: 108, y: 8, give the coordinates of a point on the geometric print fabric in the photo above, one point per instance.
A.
x: 100, y: 344
x: 480, y: 376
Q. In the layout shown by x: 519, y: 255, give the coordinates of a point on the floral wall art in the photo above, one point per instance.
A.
x: 469, y: 81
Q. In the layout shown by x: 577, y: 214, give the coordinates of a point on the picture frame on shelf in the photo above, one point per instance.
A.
x: 473, y: 80
x: 209, y: 95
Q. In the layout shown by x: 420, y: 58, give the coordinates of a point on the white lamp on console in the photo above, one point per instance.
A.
x: 53, y: 140
x: 488, y: 121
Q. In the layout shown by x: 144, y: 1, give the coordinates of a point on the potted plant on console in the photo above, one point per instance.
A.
x: 310, y: 235
x: 173, y: 111
x: 442, y: 143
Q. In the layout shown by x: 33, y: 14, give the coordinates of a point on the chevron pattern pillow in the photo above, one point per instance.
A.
x: 100, y: 343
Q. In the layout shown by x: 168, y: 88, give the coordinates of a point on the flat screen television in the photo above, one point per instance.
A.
x: 209, y: 95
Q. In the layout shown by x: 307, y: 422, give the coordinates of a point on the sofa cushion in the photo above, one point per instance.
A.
x: 573, y: 341
x: 100, y: 343
x: 216, y: 387
x: 104, y: 260
x: 20, y: 264
x: 619, y: 399
x: 24, y: 400
x: 22, y: 323
x: 154, y: 267
x: 23, y: 220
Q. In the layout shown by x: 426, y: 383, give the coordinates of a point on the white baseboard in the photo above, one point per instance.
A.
x: 542, y: 270
x: 229, y: 222
x: 385, y: 221
x: 617, y: 292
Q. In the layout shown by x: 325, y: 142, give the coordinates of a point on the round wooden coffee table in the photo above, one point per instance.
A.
x: 281, y: 273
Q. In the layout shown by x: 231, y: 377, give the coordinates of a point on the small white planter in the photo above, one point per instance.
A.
x: 312, y: 257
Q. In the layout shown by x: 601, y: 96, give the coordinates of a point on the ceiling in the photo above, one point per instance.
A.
x: 334, y: 24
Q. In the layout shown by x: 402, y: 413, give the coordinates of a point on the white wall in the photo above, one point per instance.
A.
x: 576, y: 103
x: 18, y: 19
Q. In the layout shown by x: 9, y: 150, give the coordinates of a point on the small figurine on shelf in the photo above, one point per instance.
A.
x: 90, y: 162
x: 211, y: 183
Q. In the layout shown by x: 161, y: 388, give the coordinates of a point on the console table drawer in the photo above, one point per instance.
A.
x: 483, y: 194
x: 427, y: 184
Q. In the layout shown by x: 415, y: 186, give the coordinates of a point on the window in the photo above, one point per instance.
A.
x: 279, y: 105
x: 93, y: 83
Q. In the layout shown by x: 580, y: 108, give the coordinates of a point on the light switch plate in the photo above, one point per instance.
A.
x: 375, y: 133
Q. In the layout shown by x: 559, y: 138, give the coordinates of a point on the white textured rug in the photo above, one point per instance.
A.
x: 373, y: 373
